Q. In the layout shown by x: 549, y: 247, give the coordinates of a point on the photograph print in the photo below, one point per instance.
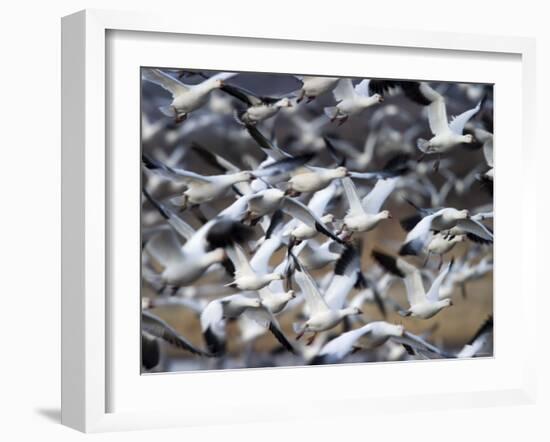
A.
x: 295, y: 220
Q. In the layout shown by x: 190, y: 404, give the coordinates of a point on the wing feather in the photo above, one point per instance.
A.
x: 165, y: 81
x: 380, y: 192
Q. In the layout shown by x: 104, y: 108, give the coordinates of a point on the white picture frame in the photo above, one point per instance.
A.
x: 87, y: 205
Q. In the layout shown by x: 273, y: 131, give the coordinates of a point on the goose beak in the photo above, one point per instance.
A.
x: 390, y: 216
x: 381, y: 99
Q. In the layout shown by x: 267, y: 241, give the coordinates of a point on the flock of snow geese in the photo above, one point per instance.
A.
x: 276, y: 208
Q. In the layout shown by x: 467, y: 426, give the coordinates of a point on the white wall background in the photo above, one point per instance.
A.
x: 30, y: 219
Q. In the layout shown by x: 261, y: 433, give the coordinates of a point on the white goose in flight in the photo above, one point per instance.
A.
x: 445, y: 135
x: 215, y: 315
x: 441, y: 243
x: 204, y: 188
x: 269, y: 200
x: 200, y: 188
x: 351, y: 100
x: 182, y: 264
x: 321, y: 316
x: 365, y: 215
x: 338, y: 348
x: 422, y: 305
x: 448, y: 218
x: 245, y: 277
x: 313, y: 179
x: 317, y: 205
x: 185, y: 97
x: 257, y: 108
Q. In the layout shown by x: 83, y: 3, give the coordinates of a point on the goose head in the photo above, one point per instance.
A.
x: 385, y: 214
x: 392, y: 329
x: 340, y: 172
x: 378, y: 98
x: 290, y: 294
x: 275, y: 277
x: 447, y: 302
x: 351, y: 311
x: 284, y: 102
x: 328, y: 218
x: 244, y: 176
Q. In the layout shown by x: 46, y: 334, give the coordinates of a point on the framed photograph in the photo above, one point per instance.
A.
x: 254, y: 217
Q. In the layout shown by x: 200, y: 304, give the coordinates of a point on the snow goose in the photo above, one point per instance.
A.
x: 321, y: 316
x: 184, y: 264
x: 215, y: 315
x: 351, y: 100
x: 314, y: 256
x: 257, y: 108
x: 435, y: 220
x: 312, y: 87
x: 317, y: 205
x: 422, y: 305
x: 245, y: 277
x: 314, y: 179
x: 372, y: 335
x: 347, y: 275
x: 270, y: 200
x: 200, y: 188
x: 274, y: 300
x: 181, y: 265
x: 340, y: 347
x: 185, y: 97
x: 441, y: 243
x: 269, y: 171
x: 365, y: 215
x: 445, y: 135
x: 306, y: 179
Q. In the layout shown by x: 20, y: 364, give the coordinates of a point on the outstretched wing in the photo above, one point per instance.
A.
x: 457, y: 123
x: 437, y: 116
x: 362, y: 88
x: 433, y: 293
x: 418, y: 237
x: 340, y: 347
x: 172, y: 173
x: 239, y: 260
x: 165, y: 81
x: 345, y: 277
x: 380, y: 192
x: 314, y: 299
x: 300, y: 211
x: 355, y: 207
x: 344, y: 90
x: 476, y: 228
